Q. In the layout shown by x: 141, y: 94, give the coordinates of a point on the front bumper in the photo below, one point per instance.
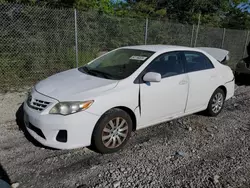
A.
x: 46, y: 128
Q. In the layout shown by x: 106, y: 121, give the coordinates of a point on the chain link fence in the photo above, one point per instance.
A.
x: 36, y: 42
x: 162, y: 32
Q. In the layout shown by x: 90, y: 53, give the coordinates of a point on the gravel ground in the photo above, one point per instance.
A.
x: 195, y: 151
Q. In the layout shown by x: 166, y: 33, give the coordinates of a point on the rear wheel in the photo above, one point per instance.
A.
x: 216, y: 102
x: 112, y: 131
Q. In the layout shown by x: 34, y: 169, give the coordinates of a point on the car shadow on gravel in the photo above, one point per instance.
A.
x: 21, y: 126
x: 4, y: 176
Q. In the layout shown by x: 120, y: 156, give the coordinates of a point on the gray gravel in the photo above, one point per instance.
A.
x: 195, y: 151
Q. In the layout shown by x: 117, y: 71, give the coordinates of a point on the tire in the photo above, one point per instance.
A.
x: 105, y: 135
x: 211, y: 105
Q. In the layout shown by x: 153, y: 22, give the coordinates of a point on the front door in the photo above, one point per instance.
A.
x: 167, y: 98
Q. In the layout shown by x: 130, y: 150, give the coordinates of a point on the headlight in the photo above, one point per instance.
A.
x: 66, y: 108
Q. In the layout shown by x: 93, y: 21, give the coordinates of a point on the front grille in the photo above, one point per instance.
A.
x: 37, y: 104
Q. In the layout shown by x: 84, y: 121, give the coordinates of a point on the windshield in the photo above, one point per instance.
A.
x: 118, y: 64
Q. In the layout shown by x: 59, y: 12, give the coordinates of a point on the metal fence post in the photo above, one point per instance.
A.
x: 223, y: 37
x: 245, y: 46
x: 197, y: 30
x: 146, y: 32
x: 76, y: 38
x: 192, y: 37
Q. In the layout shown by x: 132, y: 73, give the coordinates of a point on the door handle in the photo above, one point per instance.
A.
x: 183, y: 82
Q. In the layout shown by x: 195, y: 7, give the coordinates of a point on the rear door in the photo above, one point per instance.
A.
x: 202, y: 80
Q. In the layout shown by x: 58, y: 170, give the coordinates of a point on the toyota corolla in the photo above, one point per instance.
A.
x: 124, y: 90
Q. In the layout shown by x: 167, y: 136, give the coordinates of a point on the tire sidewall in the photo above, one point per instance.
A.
x: 209, y: 109
x: 97, y: 133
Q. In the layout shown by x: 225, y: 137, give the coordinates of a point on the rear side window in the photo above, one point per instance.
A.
x: 196, y: 61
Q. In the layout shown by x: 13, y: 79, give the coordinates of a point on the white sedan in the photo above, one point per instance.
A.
x: 124, y: 90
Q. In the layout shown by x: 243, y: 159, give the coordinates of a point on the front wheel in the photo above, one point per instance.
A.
x: 112, y: 131
x: 216, y: 102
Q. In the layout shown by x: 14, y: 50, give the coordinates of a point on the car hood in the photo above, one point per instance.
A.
x: 74, y: 85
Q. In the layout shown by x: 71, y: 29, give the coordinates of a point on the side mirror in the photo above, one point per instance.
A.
x: 152, y: 77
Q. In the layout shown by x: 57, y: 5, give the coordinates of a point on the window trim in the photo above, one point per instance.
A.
x: 139, y: 78
x: 197, y: 52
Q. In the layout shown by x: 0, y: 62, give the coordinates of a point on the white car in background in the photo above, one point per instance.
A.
x: 124, y: 90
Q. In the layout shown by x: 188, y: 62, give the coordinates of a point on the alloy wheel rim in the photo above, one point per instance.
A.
x: 217, y: 103
x: 115, y: 132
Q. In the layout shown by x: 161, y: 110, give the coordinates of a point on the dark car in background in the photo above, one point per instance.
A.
x: 243, y: 67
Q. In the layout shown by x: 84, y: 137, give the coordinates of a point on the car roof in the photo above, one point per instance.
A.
x: 160, y: 47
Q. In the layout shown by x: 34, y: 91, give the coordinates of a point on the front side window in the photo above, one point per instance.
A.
x: 196, y: 61
x: 168, y: 64
x: 118, y: 64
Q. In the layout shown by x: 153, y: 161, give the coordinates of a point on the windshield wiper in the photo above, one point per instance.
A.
x: 104, y: 74
x: 85, y: 69
x: 95, y: 72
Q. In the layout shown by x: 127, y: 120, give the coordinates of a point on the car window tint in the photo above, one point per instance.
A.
x: 168, y: 64
x: 196, y: 61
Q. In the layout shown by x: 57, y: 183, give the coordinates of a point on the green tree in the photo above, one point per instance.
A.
x: 103, y: 6
x: 146, y: 8
x: 236, y: 19
x: 215, y: 13
x: 186, y: 11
